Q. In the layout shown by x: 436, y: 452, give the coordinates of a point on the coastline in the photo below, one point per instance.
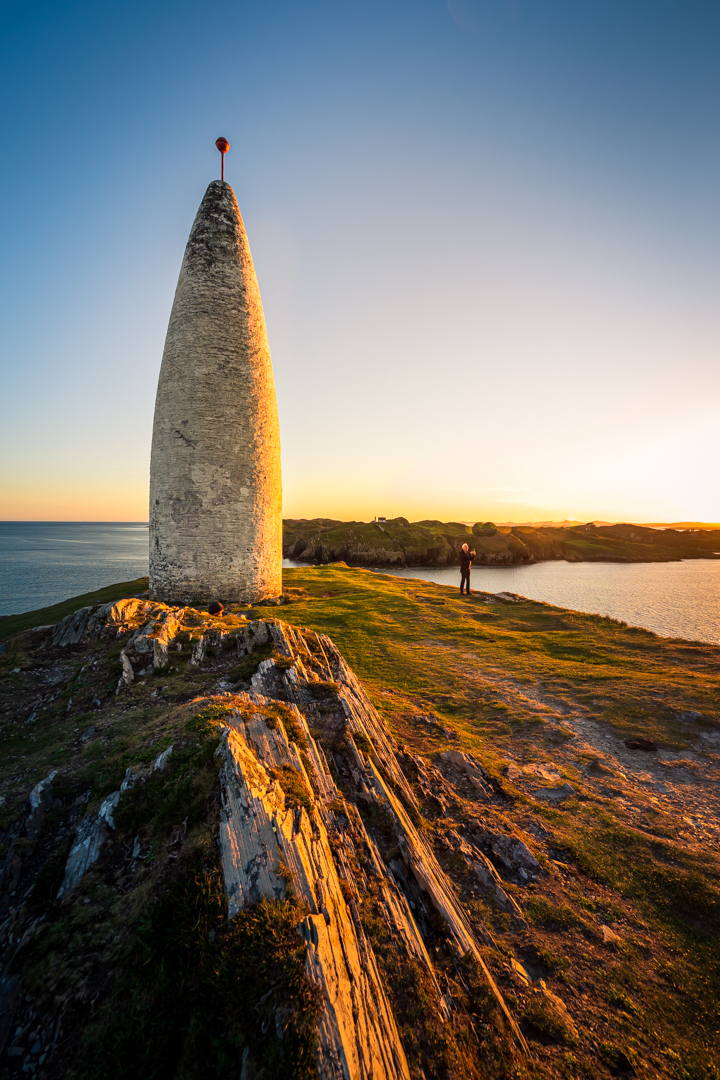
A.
x: 400, y: 543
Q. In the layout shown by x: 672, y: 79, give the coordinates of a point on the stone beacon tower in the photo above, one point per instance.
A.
x: 215, y: 487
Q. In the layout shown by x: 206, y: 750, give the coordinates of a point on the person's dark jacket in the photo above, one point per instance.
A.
x: 466, y: 559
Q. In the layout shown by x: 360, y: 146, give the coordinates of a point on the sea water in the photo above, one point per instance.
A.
x: 43, y: 562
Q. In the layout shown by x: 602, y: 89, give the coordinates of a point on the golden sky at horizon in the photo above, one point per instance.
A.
x: 490, y: 271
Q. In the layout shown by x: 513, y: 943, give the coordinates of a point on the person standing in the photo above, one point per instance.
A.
x: 466, y: 560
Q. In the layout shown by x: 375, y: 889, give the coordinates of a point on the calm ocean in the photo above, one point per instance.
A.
x: 44, y: 562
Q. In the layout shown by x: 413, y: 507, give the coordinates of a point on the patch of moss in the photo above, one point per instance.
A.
x: 293, y: 730
x: 548, y: 1022
x: 171, y: 797
x: 199, y: 996
x: 553, y: 964
x: 209, y: 718
x: 543, y: 912
x: 294, y: 788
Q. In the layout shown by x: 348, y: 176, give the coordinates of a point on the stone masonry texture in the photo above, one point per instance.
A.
x: 215, y: 485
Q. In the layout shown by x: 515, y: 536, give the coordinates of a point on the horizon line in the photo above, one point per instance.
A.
x: 547, y: 522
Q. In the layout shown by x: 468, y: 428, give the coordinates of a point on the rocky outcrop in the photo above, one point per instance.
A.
x: 317, y: 844
x: 94, y: 829
x: 90, y: 836
x: 319, y: 803
x: 400, y: 543
x: 265, y: 843
x: 40, y: 801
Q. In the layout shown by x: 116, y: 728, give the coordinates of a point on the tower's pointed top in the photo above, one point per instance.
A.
x: 223, y: 146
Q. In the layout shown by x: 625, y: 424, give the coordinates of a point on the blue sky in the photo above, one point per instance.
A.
x: 487, y: 236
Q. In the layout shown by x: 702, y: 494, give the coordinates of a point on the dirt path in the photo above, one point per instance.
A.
x: 684, y: 783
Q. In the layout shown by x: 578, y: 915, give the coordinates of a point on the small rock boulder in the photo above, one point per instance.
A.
x: 609, y: 936
x: 567, y: 791
x: 640, y: 744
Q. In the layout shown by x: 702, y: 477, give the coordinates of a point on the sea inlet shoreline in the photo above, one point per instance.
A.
x: 43, y: 563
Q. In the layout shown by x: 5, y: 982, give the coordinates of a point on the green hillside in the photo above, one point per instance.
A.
x: 398, y: 542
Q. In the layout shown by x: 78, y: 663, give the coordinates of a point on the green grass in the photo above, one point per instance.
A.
x: 48, y: 616
x: 424, y: 642
x: 499, y: 682
x: 503, y: 678
x: 552, y: 916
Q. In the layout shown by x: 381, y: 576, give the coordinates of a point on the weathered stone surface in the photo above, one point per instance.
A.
x: 284, y: 818
x: 566, y: 791
x: 509, y: 851
x: 199, y: 651
x: 490, y: 879
x: 215, y: 489
x: 162, y: 759
x: 249, y: 849
x: 40, y: 800
x: 91, y: 834
x: 70, y: 630
x: 124, y: 612
x: 609, y: 936
x: 377, y: 777
x: 250, y: 636
x: 357, y: 1033
x: 88, y: 623
x: 472, y: 768
x: 93, y: 831
x: 541, y: 772
x: 127, y: 676
x: 486, y: 873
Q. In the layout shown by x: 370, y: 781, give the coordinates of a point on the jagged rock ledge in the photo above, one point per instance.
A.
x: 305, y: 763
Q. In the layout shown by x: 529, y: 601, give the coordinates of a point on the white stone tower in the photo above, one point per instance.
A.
x: 215, y: 487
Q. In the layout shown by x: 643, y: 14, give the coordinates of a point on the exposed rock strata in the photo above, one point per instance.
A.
x: 94, y: 829
x: 346, y: 761
x: 317, y: 798
x: 264, y: 842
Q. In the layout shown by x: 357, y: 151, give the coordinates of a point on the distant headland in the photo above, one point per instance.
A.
x: 398, y: 542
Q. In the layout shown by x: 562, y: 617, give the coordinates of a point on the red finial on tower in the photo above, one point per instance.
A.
x: 223, y: 146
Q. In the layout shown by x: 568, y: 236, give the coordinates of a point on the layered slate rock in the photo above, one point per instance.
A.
x: 323, y: 851
x: 262, y: 841
x: 318, y: 802
x: 215, y: 487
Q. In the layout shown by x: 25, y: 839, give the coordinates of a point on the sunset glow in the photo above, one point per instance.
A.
x: 487, y: 242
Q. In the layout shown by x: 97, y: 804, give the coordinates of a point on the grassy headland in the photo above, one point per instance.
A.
x: 141, y: 972
x: 525, y: 687
x: 399, y: 542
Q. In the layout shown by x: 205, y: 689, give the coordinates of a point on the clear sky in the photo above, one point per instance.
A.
x: 487, y: 235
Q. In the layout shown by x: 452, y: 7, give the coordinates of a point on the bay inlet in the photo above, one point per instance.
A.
x: 42, y: 563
